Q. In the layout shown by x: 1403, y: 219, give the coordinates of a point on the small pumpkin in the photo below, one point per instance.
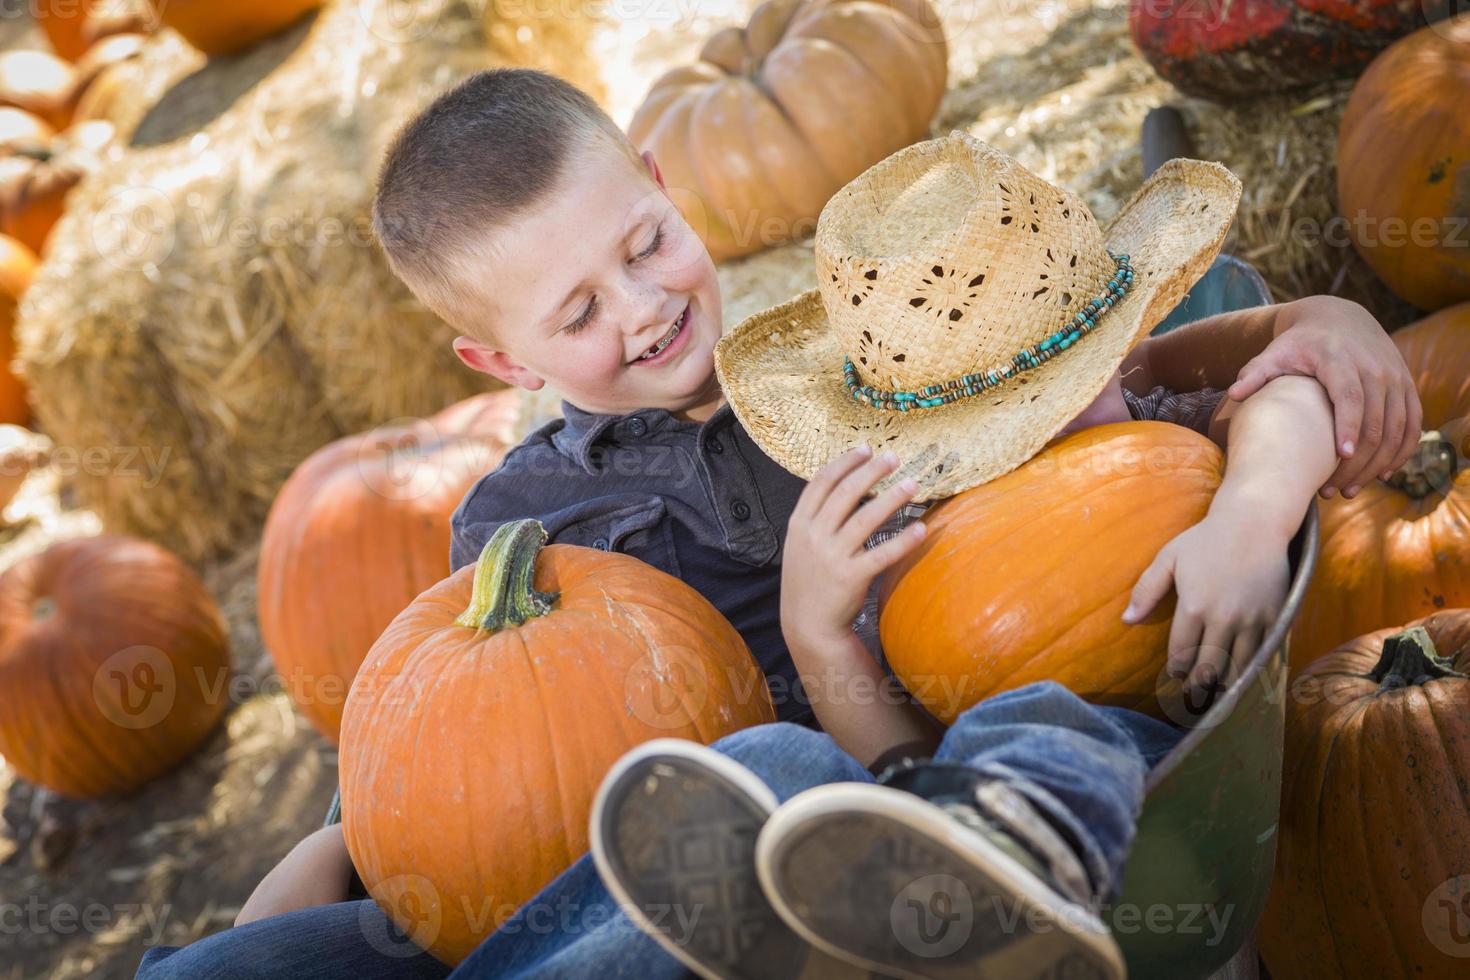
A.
x: 486, y: 715
x: 114, y: 661
x: 776, y: 116
x: 34, y: 184
x: 359, y: 529
x: 1025, y: 578
x: 23, y: 132
x: 1400, y: 549
x: 73, y: 26
x: 17, y: 269
x: 1403, y: 166
x: 1373, y: 853
x: 1234, y: 51
x: 224, y: 28
x: 39, y: 82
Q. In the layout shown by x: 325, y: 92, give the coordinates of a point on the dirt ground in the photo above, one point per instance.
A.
x: 86, y: 888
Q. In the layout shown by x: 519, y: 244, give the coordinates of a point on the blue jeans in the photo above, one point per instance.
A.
x: 1082, y: 765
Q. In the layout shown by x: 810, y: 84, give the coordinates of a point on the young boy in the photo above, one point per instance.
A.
x: 518, y: 212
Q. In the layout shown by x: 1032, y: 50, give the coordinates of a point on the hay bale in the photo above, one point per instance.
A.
x: 213, y: 307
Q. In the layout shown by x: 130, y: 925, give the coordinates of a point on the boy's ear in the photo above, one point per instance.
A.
x: 498, y: 364
x: 652, y: 164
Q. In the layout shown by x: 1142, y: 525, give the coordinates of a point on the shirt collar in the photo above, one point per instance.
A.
x: 583, y: 430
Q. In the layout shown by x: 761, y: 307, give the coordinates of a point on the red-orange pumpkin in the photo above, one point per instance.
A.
x: 17, y: 269
x: 1403, y: 165
x: 224, y: 28
x: 1401, y: 550
x: 487, y: 714
x: 1025, y: 578
x: 114, y: 661
x: 1373, y: 854
x: 775, y: 117
x: 360, y: 528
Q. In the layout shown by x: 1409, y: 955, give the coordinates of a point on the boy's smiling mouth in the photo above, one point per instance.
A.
x: 655, y: 352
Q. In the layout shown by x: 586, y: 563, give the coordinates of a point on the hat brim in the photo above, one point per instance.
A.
x: 781, y: 369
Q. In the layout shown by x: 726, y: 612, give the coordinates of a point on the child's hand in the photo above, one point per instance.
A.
x: 825, y: 570
x: 318, y: 871
x: 1230, y: 590
x: 1375, y: 404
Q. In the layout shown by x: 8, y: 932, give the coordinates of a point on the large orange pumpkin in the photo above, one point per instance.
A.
x: 1403, y: 165
x: 1400, y: 550
x: 360, y: 528
x: 114, y: 661
x: 1025, y: 578
x: 775, y: 117
x: 17, y: 269
x: 224, y: 28
x: 1373, y: 855
x: 486, y: 715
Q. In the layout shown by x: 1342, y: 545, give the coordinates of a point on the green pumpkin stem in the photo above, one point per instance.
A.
x: 1410, y: 658
x: 503, y: 594
x: 1431, y: 468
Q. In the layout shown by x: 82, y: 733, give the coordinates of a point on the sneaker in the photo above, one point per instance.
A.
x: 674, y: 826
x: 958, y: 885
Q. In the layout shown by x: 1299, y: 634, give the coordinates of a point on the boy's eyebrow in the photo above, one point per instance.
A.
x: 572, y: 293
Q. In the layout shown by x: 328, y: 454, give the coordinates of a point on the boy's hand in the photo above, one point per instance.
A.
x: 825, y: 570
x: 1376, y: 408
x: 1230, y: 590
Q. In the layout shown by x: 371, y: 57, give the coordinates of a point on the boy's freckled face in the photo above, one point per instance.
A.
x: 599, y: 274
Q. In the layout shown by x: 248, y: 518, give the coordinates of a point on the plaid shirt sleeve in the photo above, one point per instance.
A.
x: 866, y: 624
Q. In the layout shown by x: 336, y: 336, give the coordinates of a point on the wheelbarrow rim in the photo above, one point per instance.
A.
x: 1274, y: 639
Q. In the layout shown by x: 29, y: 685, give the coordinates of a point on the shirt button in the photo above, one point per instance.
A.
x: 716, y: 447
x: 637, y: 427
x: 740, y: 509
x: 600, y: 544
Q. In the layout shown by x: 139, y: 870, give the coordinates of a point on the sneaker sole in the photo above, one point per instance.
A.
x: 673, y: 832
x: 890, y: 882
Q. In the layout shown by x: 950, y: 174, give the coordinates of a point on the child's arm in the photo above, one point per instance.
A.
x: 1327, y: 338
x: 825, y: 574
x: 1230, y: 570
x: 316, y: 872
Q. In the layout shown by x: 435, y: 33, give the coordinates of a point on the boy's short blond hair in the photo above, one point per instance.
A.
x: 483, y: 153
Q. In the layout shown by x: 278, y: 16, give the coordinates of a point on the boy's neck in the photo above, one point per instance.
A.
x: 700, y: 413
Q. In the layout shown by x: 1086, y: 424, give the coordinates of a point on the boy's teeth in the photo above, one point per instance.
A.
x: 668, y: 339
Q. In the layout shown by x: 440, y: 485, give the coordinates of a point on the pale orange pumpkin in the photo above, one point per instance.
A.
x: 1400, y: 549
x: 1403, y: 165
x: 114, y: 661
x: 775, y: 117
x: 1025, y: 578
x: 359, y: 529
x: 17, y: 269
x: 224, y: 28
x: 1373, y: 854
x: 485, y: 716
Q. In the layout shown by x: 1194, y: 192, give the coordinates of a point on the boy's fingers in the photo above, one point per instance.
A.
x: 1370, y: 434
x: 1214, y: 657
x: 1247, y: 642
x: 1150, y: 588
x: 1395, y: 418
x: 872, y: 515
x: 850, y: 490
x: 1257, y: 371
x: 1413, y: 429
x: 822, y: 482
x: 1346, y: 390
x: 877, y: 560
x: 1184, y: 643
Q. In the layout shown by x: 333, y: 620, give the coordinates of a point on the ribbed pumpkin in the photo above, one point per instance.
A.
x: 1233, y: 51
x: 775, y: 117
x: 17, y: 269
x: 114, y: 661
x: 1400, y: 550
x: 40, y: 83
x: 359, y: 529
x: 224, y: 28
x: 1025, y: 578
x: 486, y: 715
x: 1373, y: 855
x: 1403, y: 165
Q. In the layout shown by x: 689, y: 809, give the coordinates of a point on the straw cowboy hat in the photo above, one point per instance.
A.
x: 966, y: 311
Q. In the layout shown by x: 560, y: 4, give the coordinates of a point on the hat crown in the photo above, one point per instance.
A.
x: 949, y: 258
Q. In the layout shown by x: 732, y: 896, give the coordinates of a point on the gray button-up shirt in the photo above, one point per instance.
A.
x: 697, y: 500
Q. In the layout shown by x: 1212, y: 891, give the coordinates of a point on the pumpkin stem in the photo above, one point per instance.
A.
x: 1410, y: 658
x: 503, y: 593
x: 1431, y: 468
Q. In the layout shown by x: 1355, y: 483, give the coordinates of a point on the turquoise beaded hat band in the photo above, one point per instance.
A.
x: 970, y: 385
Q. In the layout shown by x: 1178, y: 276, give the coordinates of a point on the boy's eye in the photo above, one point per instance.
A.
x: 658, y: 240
x: 586, y: 317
